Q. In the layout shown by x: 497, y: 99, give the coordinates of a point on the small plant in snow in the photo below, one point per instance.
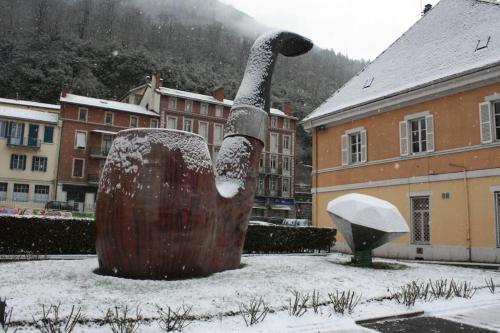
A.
x: 120, y: 322
x: 5, y: 317
x: 174, y: 320
x: 491, y: 285
x: 52, y: 323
x: 344, y: 301
x: 462, y: 289
x: 315, y: 302
x: 297, y: 304
x: 254, y: 312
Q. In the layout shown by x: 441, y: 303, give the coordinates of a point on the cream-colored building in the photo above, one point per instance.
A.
x: 420, y: 127
x: 29, y: 151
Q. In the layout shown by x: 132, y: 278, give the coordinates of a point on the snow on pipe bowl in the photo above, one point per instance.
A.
x: 366, y: 222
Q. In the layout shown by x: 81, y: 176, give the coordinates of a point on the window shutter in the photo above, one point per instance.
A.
x: 12, y: 161
x: 403, y: 138
x: 363, y: 146
x: 485, y: 122
x: 344, y: 148
x: 429, y: 129
x: 33, y: 163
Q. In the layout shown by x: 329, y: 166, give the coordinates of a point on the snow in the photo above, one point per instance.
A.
x: 106, y: 104
x: 27, y: 285
x: 368, y: 211
x: 440, y: 45
x: 232, y: 165
x: 30, y: 104
x: 20, y: 113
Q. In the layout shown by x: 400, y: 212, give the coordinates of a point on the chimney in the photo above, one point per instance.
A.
x: 156, y: 81
x: 64, y: 90
x: 287, y: 108
x: 218, y: 93
x: 426, y: 9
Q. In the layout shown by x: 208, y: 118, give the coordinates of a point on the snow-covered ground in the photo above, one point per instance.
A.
x: 27, y: 285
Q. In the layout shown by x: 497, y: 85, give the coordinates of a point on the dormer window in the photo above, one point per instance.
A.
x: 483, y: 43
x: 368, y: 82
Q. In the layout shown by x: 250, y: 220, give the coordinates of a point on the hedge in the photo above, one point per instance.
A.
x: 42, y: 235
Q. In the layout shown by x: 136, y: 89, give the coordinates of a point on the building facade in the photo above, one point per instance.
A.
x: 89, y: 126
x: 207, y: 116
x: 29, y: 149
x: 422, y: 134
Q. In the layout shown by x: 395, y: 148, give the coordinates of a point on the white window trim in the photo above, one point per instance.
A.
x: 289, y: 149
x: 216, y: 125
x: 208, y: 128
x: 274, y: 122
x: 184, y: 124
x: 35, y: 199
x: 412, y: 239
x: 201, y: 108
x: 73, y: 168
x: 76, y: 135
x: 86, y: 114
x: 221, y: 108
x: 130, y: 121
x: 346, y: 152
x: 14, y: 192
x: 417, y: 115
x: 112, y: 118
x: 174, y: 100
x: 176, y: 124
x: 151, y: 123
x: 270, y: 161
x: 429, y: 131
x: 186, y: 103
x: 46, y: 163
x: 271, y: 148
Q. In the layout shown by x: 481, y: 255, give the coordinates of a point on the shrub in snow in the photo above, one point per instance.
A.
x: 297, y: 304
x: 120, y: 322
x: 174, y: 320
x: 51, y: 322
x: 315, y: 302
x: 255, y: 311
x: 490, y: 284
x: 5, y: 317
x: 340, y: 302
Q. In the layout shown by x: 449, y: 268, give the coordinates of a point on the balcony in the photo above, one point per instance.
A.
x: 99, y: 152
x: 24, y: 142
x: 93, y: 179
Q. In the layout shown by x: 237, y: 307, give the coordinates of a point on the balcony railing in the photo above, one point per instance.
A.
x: 93, y: 178
x: 24, y: 142
x: 99, y: 152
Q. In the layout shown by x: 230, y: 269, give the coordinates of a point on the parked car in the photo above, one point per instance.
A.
x: 254, y: 222
x: 297, y: 222
x: 61, y: 205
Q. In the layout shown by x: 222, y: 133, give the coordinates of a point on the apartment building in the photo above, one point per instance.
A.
x: 89, y: 126
x: 207, y: 116
x: 420, y: 127
x: 29, y: 148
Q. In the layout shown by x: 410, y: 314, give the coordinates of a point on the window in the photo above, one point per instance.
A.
x: 48, y: 134
x: 172, y: 122
x: 41, y: 193
x: 39, y: 163
x: 261, y: 163
x: 188, y: 125
x: 274, y: 122
x: 218, y: 134
x: 273, y: 147
x: 273, y: 186
x: 80, y: 140
x: 286, y: 144
x: 3, y: 128
x: 497, y: 120
x: 16, y: 133
x: 286, y: 123
x: 286, y: 165
x: 172, y: 103
x: 78, y: 165
x: 416, y: 134
x: 17, y: 162
x: 203, y: 129
x: 3, y: 191
x: 497, y: 210
x: 354, y: 146
x: 285, y: 187
x: 420, y: 220
x: 274, y: 162
x: 82, y: 114
x: 260, y: 185
x: 134, y: 121
x: 219, y: 111
x: 108, y: 118
x: 107, y: 140
x: 153, y: 123
x: 21, y: 192
x: 188, y: 105
x: 204, y: 108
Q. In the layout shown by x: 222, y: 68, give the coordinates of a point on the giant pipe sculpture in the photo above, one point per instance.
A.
x: 163, y: 211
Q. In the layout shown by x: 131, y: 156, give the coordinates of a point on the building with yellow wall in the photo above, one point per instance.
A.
x: 420, y: 127
x: 29, y: 151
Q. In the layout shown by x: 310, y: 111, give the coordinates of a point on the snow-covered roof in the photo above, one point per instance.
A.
x: 106, y: 104
x: 29, y: 103
x: 454, y: 38
x: 25, y: 114
x: 211, y: 99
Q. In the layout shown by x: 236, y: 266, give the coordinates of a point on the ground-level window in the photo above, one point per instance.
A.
x: 3, y: 191
x: 78, y: 165
x: 497, y: 209
x: 420, y: 220
x: 41, y: 193
x: 20, y: 192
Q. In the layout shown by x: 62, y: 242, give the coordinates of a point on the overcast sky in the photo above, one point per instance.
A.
x: 358, y: 28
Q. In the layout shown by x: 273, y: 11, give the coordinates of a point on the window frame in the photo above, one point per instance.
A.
x: 19, y: 161
x: 176, y: 124
x: 151, y: 123
x: 288, y: 150
x: 43, y: 165
x: 37, y: 195
x: 274, y: 148
x: 191, y: 121
x: 73, y: 167
x: 203, y: 108
x: 190, y: 103
x: 45, y: 127
x: 412, y: 221
x: 284, y: 181
x: 136, y: 121
x: 274, y: 122
x: 4, y: 197
x: 422, y: 135
x: 80, y: 109
x: 75, y: 146
x: 172, y: 103
x: 273, y: 157
x: 219, y: 111
x: 4, y: 126
x: 496, y: 203
x: 218, y: 142
x: 286, y: 123
x: 496, y: 126
x: 208, y: 128
x: 286, y: 171
x: 106, y: 113
x: 16, y: 197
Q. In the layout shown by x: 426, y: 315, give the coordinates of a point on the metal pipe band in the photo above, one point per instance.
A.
x: 247, y: 120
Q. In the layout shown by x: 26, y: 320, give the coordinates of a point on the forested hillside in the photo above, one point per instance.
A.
x: 103, y: 48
